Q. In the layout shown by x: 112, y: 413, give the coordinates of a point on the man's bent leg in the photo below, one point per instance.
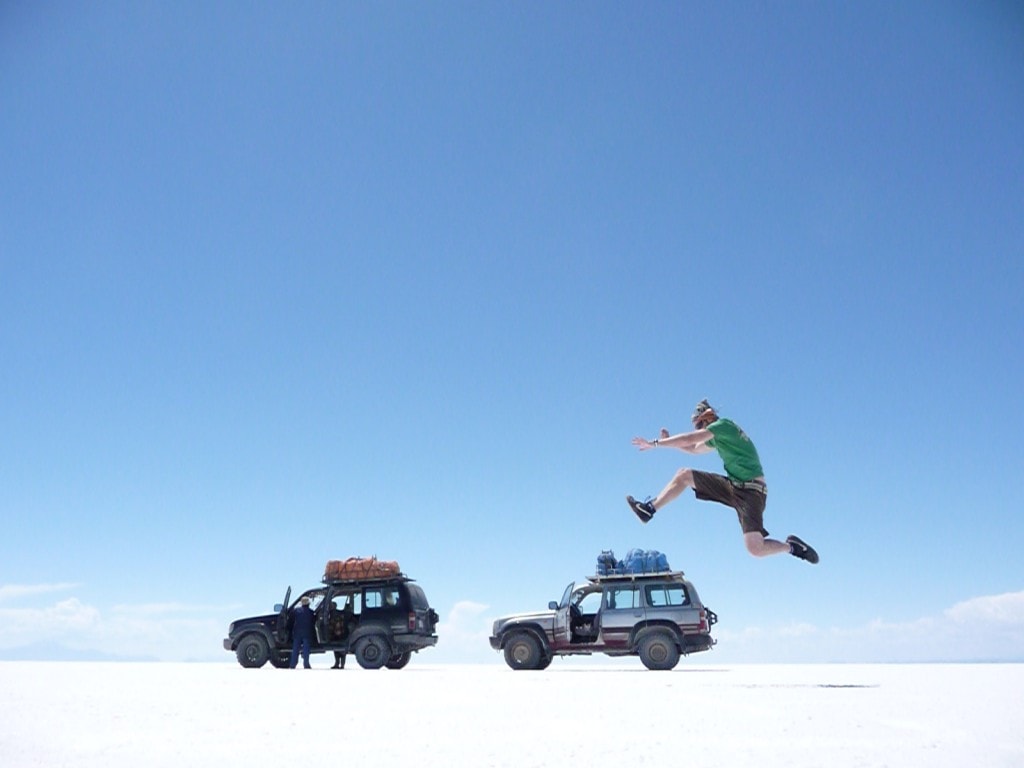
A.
x: 759, y: 546
x: 680, y: 481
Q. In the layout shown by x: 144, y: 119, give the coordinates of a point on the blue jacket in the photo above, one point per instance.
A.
x: 302, y: 622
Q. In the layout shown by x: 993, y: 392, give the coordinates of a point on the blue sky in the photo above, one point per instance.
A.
x: 284, y: 283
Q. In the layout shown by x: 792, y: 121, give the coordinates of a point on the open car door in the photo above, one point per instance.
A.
x: 282, y: 618
x: 562, y: 628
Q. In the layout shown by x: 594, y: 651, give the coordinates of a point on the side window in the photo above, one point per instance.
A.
x: 381, y: 597
x: 590, y: 603
x: 622, y: 598
x: 663, y: 596
x: 348, y: 603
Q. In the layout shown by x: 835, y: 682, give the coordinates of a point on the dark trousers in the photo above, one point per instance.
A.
x: 299, y: 643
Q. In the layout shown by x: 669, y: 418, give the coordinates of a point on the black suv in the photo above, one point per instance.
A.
x: 381, y: 620
x: 656, y: 616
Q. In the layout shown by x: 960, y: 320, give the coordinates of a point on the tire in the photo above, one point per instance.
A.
x: 399, y: 660
x: 280, y: 660
x: 372, y: 651
x: 252, y: 651
x: 658, y: 651
x: 522, y: 651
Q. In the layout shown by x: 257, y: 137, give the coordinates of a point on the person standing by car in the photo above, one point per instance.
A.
x: 302, y: 633
x: 742, y: 487
x: 342, y: 622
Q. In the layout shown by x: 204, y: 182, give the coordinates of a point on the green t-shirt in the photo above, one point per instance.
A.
x: 738, y: 454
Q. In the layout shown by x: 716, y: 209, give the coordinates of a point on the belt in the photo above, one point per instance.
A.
x: 751, y: 486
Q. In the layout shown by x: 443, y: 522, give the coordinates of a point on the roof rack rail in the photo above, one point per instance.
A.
x: 366, y: 579
x: 597, y: 578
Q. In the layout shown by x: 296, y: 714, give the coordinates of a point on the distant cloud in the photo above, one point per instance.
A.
x: 168, y: 631
x: 1003, y: 610
x: 987, y: 628
x: 16, y: 591
x: 66, y: 618
x: 167, y: 609
x: 462, y: 635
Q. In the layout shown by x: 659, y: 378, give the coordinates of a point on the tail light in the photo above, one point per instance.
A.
x: 704, y: 627
x: 412, y: 621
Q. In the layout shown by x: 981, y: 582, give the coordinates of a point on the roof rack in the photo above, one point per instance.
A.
x: 365, y: 579
x: 597, y: 578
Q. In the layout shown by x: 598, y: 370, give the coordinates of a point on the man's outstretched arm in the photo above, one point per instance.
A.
x: 689, y: 442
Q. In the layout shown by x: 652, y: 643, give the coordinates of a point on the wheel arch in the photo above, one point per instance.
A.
x: 371, y: 628
x: 648, y: 627
x: 531, y: 629
x: 254, y: 629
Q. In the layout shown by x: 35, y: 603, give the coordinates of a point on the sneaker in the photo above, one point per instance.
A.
x: 642, y: 509
x: 800, y: 548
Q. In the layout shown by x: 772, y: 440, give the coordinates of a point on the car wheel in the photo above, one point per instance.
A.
x: 399, y: 660
x: 372, y: 652
x: 280, y: 660
x: 252, y: 652
x: 658, y: 650
x: 522, y: 651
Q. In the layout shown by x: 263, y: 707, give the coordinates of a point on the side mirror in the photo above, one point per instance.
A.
x: 552, y: 606
x: 278, y: 607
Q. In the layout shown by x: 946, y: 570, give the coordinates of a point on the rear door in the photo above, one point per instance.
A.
x: 382, y: 607
x: 422, y: 618
x: 342, y: 610
x: 622, y: 610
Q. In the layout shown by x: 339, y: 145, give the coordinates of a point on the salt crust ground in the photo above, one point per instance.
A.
x: 118, y: 714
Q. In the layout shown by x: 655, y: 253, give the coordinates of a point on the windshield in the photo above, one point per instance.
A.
x: 315, y: 596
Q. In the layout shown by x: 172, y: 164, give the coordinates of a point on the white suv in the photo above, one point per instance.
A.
x: 656, y: 616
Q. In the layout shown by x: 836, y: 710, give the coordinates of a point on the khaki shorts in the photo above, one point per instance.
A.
x: 748, y: 502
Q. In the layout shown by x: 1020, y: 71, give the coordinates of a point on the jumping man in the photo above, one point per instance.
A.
x: 743, y: 488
